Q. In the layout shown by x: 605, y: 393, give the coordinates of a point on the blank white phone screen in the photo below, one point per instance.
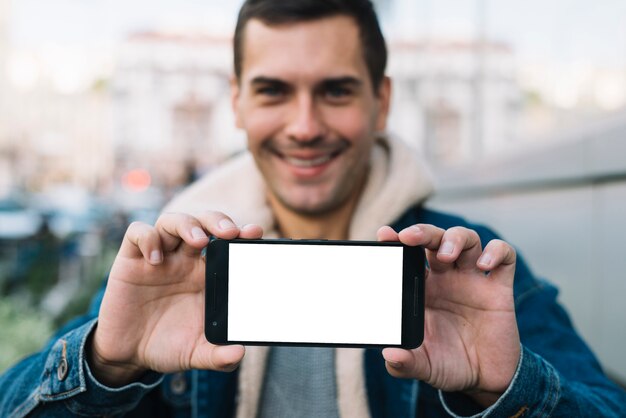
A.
x: 315, y: 293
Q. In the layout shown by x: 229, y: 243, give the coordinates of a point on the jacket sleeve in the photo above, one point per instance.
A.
x: 557, y: 374
x: 57, y: 381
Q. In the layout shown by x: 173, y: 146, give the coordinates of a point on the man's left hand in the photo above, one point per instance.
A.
x: 471, y: 341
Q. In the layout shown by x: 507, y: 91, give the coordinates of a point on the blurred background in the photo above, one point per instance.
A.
x: 109, y: 107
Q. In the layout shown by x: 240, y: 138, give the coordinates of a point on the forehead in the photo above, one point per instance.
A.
x: 309, y: 50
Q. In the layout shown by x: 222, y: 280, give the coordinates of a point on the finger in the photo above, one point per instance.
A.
x: 386, y: 233
x: 219, y: 225
x: 226, y: 358
x: 251, y: 231
x: 142, y: 240
x: 461, y: 247
x: 207, y: 356
x: 429, y: 236
x: 180, y: 229
x: 411, y: 364
x: 499, y: 258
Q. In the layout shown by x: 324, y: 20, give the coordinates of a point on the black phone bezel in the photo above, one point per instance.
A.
x: 216, y: 294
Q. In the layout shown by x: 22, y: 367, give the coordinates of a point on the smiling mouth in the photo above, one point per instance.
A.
x: 309, y: 162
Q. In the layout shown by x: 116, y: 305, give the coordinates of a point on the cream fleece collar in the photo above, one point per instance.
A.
x: 398, y: 179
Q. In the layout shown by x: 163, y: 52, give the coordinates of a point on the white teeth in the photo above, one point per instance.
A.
x: 298, y: 162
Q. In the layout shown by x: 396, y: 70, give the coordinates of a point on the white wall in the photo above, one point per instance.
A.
x: 564, y: 209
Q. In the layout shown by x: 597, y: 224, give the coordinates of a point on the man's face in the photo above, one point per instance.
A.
x: 306, y: 102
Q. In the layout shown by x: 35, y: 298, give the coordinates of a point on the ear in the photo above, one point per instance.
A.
x: 235, y: 92
x: 384, y: 102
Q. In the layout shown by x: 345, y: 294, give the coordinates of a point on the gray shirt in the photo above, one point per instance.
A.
x: 299, y: 382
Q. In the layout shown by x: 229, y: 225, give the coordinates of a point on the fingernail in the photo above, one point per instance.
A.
x: 446, y: 248
x: 155, y: 256
x: 394, y: 364
x: 485, y: 260
x: 416, y: 229
x: 198, y: 233
x: 226, y: 224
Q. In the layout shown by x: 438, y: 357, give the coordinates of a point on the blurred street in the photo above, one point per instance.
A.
x: 55, y: 251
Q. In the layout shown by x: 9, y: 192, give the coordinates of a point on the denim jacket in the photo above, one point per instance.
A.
x: 557, y: 374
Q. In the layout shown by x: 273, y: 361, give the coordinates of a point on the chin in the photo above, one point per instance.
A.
x: 310, y: 207
x: 312, y: 199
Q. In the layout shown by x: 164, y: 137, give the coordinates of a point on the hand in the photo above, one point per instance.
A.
x: 152, y: 313
x: 471, y: 342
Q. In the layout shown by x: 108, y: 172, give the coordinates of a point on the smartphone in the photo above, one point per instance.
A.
x: 314, y: 293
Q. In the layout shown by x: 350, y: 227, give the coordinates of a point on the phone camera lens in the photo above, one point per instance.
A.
x: 214, y: 323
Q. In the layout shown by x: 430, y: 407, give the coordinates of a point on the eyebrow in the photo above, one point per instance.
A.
x: 343, y: 81
x: 266, y: 80
x: 327, y: 81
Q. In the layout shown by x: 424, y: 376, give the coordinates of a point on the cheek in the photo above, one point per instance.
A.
x: 352, y: 124
x: 261, y: 124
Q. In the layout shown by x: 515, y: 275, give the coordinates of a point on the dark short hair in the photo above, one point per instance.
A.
x: 276, y: 12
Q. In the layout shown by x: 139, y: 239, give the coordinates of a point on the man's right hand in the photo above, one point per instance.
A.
x: 152, y: 313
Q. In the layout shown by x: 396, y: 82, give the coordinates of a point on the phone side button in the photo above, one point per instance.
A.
x: 213, y: 307
x: 415, y: 296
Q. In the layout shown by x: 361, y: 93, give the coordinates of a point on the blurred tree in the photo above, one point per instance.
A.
x: 23, y: 330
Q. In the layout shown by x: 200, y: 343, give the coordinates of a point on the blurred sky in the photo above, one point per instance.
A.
x: 560, y: 30
x: 556, y: 30
x: 104, y: 22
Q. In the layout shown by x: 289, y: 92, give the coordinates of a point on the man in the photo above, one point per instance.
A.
x: 310, y: 92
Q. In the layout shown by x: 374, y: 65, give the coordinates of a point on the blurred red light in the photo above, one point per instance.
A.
x: 136, y: 180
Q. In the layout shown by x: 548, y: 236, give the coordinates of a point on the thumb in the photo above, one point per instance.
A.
x: 225, y: 358
x: 411, y: 364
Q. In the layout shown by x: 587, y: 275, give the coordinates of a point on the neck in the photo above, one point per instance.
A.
x: 333, y: 225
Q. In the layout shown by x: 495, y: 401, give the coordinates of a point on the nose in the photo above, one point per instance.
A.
x: 305, y: 124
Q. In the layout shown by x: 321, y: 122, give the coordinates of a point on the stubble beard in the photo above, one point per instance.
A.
x: 349, y: 184
x: 350, y: 187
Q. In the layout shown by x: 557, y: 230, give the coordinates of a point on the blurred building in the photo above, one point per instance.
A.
x: 566, y: 97
x: 454, y: 100
x: 171, y: 105
x: 48, y: 136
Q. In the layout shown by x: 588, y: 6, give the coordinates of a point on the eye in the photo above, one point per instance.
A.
x: 338, y: 93
x: 271, y: 90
